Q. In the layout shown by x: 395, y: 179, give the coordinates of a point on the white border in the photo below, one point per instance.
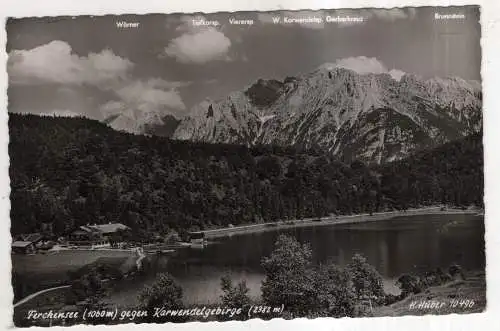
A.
x: 490, y: 43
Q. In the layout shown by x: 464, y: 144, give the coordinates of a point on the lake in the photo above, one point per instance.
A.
x: 394, y: 246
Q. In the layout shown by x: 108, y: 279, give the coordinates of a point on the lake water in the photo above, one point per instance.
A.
x: 394, y: 247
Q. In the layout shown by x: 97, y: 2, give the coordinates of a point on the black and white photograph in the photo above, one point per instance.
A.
x: 232, y: 166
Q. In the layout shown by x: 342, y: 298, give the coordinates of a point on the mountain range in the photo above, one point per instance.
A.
x: 372, y: 117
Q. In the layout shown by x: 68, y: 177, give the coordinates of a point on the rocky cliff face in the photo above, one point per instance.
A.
x: 372, y: 117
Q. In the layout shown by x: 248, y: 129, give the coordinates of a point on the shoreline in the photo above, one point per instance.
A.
x: 140, y: 255
x: 341, y: 219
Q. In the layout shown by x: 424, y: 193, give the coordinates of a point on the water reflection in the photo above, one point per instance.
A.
x: 396, y: 246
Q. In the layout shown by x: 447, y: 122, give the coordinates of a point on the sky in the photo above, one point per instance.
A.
x: 86, y: 65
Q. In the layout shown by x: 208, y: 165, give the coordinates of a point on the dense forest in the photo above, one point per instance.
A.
x: 67, y: 172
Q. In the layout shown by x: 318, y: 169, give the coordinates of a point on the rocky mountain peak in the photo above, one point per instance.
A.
x: 372, y: 117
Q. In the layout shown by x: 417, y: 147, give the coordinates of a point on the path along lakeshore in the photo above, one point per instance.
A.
x: 138, y: 262
x: 331, y: 220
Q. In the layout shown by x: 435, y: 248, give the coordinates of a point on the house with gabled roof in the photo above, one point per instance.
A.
x: 35, y: 238
x: 97, y: 235
x: 23, y: 247
x: 26, y: 243
x: 110, y: 228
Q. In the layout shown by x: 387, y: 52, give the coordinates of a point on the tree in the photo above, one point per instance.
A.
x: 172, y: 238
x: 268, y: 167
x: 88, y: 292
x: 210, y: 111
x: 89, y: 288
x: 409, y: 284
x: 164, y: 292
x: 336, y: 297
x: 367, y: 282
x: 441, y: 276
x: 289, y: 279
x: 235, y: 296
x: 456, y: 271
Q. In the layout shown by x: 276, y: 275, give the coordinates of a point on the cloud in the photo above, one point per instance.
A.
x: 151, y: 95
x: 365, y: 65
x: 197, y: 44
x: 143, y: 102
x: 55, y: 63
x: 362, y: 65
x: 161, y: 83
x: 199, y: 47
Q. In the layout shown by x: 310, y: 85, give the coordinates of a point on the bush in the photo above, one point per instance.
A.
x: 172, y: 238
x: 164, y: 292
x: 390, y: 299
x: 441, y: 276
x: 455, y: 270
x: 235, y: 296
x: 409, y: 284
x: 88, y: 288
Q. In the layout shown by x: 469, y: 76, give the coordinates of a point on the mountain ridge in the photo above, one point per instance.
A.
x: 389, y: 117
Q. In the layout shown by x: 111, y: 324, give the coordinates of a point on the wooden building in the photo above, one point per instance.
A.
x: 23, y: 247
x: 197, y: 239
x: 98, y: 235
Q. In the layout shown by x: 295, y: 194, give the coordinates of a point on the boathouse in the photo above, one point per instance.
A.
x: 197, y: 238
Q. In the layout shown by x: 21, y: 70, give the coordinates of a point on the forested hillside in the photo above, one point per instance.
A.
x: 74, y: 171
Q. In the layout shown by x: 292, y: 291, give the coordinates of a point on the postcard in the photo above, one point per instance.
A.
x: 230, y: 166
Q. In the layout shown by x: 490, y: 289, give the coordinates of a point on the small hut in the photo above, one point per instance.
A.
x: 23, y: 247
x: 197, y: 238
